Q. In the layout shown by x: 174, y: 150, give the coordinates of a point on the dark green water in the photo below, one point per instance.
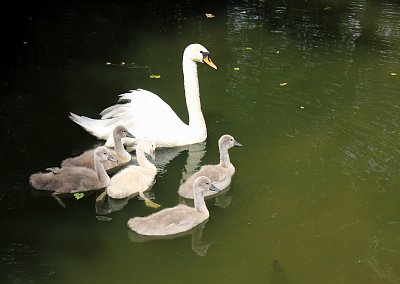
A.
x: 315, y: 197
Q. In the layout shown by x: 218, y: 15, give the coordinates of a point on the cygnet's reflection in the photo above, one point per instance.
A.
x: 163, y: 156
x: 197, y: 234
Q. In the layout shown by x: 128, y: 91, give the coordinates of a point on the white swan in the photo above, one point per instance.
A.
x: 147, y: 115
x: 178, y: 219
x: 75, y: 179
x: 135, y: 179
x: 220, y: 174
x: 122, y: 156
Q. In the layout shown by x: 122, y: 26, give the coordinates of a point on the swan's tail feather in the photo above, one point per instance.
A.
x: 101, y: 128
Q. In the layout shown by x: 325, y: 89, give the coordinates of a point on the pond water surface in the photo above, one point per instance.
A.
x: 310, y: 88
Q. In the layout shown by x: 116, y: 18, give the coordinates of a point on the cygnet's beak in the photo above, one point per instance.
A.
x: 207, y: 60
x: 112, y: 159
x: 237, y: 144
x: 130, y: 135
x: 214, y: 188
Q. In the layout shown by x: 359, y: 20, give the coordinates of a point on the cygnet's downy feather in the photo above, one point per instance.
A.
x: 134, y: 179
x: 178, y: 219
x: 119, y: 153
x: 75, y: 179
x: 220, y: 174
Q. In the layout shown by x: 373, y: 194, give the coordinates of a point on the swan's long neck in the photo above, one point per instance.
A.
x: 141, y: 158
x: 192, y: 95
x: 224, y: 159
x: 119, y: 148
x: 101, y: 172
x: 199, y: 202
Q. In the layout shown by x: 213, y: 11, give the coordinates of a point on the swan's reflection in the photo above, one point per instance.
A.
x: 197, y: 234
x: 164, y: 156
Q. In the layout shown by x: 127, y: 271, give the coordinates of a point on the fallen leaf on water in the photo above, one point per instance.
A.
x: 327, y: 8
x: 236, y: 68
x: 277, y: 51
x: 122, y: 63
x: 79, y: 195
x: 283, y: 84
x: 155, y: 76
x: 248, y: 48
x: 393, y: 73
x: 302, y: 107
x: 209, y: 16
x: 108, y: 63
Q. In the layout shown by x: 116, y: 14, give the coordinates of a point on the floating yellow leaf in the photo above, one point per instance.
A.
x: 79, y: 195
x: 283, y: 84
x: 209, y: 16
x: 277, y: 51
x: 236, y: 68
x: 248, y: 48
x: 302, y: 107
x: 393, y: 73
x: 155, y: 76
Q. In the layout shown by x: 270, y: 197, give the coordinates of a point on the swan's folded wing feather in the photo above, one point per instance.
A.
x: 146, y: 115
x: 97, y: 127
x: 113, y: 111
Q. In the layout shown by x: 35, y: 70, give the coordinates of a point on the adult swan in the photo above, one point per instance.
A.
x: 147, y: 115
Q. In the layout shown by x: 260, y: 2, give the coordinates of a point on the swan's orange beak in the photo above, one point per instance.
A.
x: 207, y: 60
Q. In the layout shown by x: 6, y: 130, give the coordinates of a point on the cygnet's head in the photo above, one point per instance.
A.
x: 148, y: 147
x: 121, y: 132
x: 198, y: 53
x: 202, y: 184
x: 102, y: 154
x: 227, y: 142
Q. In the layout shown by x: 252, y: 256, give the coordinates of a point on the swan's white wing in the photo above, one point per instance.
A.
x: 145, y: 115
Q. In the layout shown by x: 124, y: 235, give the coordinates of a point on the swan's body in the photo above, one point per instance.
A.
x: 147, y: 115
x: 220, y: 174
x: 178, y: 219
x: 75, y: 179
x: 135, y: 179
x: 86, y: 158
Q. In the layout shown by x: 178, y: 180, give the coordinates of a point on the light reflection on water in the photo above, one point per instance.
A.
x: 314, y: 198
